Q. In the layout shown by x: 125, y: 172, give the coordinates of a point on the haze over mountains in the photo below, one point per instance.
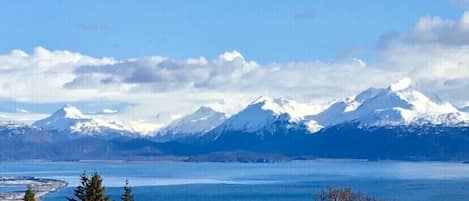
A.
x: 397, y: 116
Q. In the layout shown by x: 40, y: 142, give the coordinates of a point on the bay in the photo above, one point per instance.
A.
x: 283, y: 181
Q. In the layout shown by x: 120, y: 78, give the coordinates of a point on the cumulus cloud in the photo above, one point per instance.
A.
x: 435, y: 52
x: 433, y: 30
x: 161, y: 74
x: 39, y: 76
x: 157, y: 87
x: 439, y: 70
x: 231, y: 72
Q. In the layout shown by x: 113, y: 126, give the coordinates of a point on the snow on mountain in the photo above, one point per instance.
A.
x: 262, y: 113
x: 201, y: 121
x: 399, y: 104
x: 71, y: 119
x: 12, y: 124
x: 13, y: 127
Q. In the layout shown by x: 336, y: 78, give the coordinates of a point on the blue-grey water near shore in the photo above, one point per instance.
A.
x: 297, y: 180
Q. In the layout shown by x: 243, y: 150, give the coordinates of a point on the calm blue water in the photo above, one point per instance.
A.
x: 298, y: 180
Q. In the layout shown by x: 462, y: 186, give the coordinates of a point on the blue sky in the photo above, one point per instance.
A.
x: 267, y: 31
x: 154, y: 61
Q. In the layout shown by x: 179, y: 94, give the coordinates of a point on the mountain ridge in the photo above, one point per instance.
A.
x: 397, y: 123
x: 194, y: 124
x: 397, y: 104
x: 70, y: 119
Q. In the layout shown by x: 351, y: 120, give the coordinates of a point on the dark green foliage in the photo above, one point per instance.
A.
x: 90, y: 189
x: 345, y: 194
x: 29, y: 194
x: 95, y: 191
x: 127, y: 195
x: 80, y: 191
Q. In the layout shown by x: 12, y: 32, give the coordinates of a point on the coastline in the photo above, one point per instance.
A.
x: 40, y: 186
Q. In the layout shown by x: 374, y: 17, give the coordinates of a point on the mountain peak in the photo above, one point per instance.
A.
x: 261, y: 99
x: 70, y: 119
x: 70, y: 112
x: 266, y: 99
x: 398, y: 104
x: 204, y: 109
x: 402, y: 84
x: 201, y: 121
x: 276, y: 105
x: 263, y: 113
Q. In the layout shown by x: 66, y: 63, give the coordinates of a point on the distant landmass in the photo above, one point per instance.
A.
x: 397, y: 122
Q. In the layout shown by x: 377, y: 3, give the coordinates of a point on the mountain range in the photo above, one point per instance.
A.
x: 70, y: 119
x: 397, y: 122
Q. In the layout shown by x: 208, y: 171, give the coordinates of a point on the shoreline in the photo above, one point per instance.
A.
x: 40, y: 186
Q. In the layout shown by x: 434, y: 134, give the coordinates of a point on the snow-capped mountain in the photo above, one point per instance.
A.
x: 200, y: 121
x: 70, y: 119
x: 397, y: 122
x: 14, y: 127
x: 263, y: 113
x: 12, y: 124
x: 398, y: 104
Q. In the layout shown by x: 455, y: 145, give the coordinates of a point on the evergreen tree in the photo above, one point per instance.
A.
x: 95, y: 191
x: 90, y: 189
x: 80, y: 191
x: 29, y: 194
x: 127, y: 195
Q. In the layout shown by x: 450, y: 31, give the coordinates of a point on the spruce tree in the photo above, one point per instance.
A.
x: 95, y: 191
x: 90, y: 189
x: 29, y: 194
x: 80, y: 191
x: 127, y: 195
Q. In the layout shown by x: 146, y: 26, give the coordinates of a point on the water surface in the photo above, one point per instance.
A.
x: 297, y: 180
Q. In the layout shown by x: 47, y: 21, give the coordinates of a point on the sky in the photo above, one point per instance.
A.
x: 149, y: 62
x: 264, y: 30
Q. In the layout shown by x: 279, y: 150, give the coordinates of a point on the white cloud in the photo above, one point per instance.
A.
x: 41, y: 75
x: 433, y: 30
x: 144, y: 127
x: 165, y: 86
x: 21, y: 116
x: 434, y: 53
x: 109, y: 111
x: 21, y: 110
x: 230, y: 73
